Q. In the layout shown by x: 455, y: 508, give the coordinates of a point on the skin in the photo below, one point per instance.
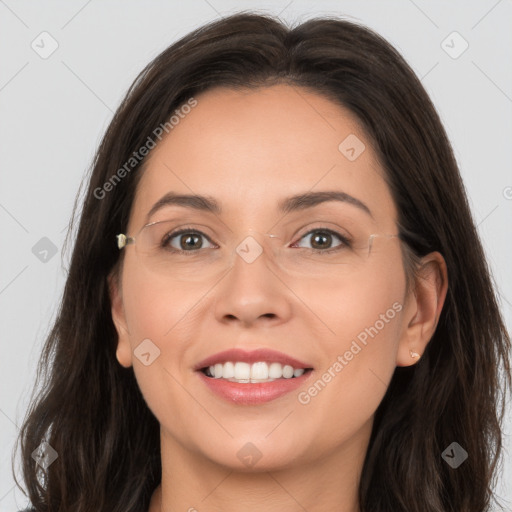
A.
x: 249, y: 149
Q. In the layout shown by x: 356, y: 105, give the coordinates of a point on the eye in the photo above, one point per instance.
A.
x: 185, y: 240
x: 322, y: 239
x: 191, y: 240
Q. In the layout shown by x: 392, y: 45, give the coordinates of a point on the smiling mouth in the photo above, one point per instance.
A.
x: 259, y: 372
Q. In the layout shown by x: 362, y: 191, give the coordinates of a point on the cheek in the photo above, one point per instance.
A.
x: 165, y: 316
x: 158, y: 309
x: 358, y: 305
x: 360, y: 346
x: 169, y: 318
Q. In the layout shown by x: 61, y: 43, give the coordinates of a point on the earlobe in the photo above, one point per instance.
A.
x: 423, y: 310
x: 124, y: 351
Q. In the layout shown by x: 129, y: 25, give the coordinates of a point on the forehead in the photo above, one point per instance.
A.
x: 251, y: 148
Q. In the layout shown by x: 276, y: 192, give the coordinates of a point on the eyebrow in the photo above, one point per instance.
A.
x: 285, y: 206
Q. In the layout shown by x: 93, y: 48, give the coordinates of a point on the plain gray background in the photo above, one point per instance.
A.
x: 54, y: 111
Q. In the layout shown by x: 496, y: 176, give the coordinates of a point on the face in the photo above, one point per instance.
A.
x: 250, y: 151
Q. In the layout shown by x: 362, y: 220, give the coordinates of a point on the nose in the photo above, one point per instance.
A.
x: 252, y: 291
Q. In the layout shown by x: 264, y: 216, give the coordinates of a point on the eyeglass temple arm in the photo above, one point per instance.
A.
x: 123, y: 240
x: 372, y: 237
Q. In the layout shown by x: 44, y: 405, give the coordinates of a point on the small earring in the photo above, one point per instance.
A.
x: 413, y: 354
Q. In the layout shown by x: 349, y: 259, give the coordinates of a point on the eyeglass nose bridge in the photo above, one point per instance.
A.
x: 249, y: 249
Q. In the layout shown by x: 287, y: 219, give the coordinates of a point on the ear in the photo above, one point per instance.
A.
x: 423, y: 308
x: 124, y: 350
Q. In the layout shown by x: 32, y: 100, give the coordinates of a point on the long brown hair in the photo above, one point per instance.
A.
x: 89, y: 408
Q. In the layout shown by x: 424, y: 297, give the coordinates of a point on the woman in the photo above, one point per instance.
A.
x: 277, y: 296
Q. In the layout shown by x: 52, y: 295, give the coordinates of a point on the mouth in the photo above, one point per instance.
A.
x: 252, y: 378
x: 256, y: 373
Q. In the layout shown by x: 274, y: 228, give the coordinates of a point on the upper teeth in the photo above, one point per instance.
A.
x: 259, y: 371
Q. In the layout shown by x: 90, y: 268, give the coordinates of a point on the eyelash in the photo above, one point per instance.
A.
x: 345, y: 242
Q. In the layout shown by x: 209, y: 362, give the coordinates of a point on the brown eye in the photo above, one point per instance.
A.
x: 322, y: 240
x: 319, y: 240
x: 184, y: 240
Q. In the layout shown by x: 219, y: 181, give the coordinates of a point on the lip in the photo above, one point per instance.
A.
x: 253, y: 394
x: 262, y: 354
